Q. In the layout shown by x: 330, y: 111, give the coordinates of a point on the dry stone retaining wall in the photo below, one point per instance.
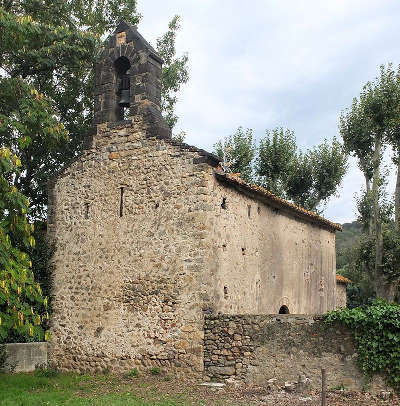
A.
x: 277, y: 349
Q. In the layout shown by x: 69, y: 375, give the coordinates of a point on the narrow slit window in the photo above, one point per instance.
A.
x: 86, y: 210
x: 223, y: 204
x: 121, y: 202
x: 249, y: 211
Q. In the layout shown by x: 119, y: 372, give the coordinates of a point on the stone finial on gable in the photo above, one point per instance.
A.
x: 128, y: 80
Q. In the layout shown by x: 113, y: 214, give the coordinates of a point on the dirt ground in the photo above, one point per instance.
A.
x: 232, y: 395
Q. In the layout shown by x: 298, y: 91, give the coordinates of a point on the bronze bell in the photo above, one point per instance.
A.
x: 124, y: 98
x: 124, y: 93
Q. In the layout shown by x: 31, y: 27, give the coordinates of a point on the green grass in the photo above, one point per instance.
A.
x: 69, y: 389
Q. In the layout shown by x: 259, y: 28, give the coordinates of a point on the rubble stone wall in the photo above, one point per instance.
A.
x: 128, y: 221
x: 277, y: 349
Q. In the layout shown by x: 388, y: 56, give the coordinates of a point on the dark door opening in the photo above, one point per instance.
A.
x: 284, y: 310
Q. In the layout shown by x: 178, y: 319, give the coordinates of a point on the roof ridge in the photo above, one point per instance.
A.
x: 304, y: 213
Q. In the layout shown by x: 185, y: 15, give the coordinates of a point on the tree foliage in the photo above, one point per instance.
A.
x: 44, y: 67
x: 360, y: 291
x: 49, y: 47
x: 376, y: 330
x: 22, y: 306
x: 306, y: 178
x: 365, y: 255
x: 371, y: 125
x: 174, y: 71
x: 237, y: 152
x: 276, y: 157
x: 40, y: 255
x: 98, y: 17
x: 29, y: 127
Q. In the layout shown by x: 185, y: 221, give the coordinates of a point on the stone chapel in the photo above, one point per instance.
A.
x: 150, y: 235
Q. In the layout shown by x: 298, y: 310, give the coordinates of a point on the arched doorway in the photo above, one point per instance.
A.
x: 284, y: 310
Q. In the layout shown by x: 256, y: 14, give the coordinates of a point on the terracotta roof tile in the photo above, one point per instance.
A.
x: 342, y: 279
x: 265, y: 195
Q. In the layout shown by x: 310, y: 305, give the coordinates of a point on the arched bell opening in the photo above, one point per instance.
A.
x: 122, y: 66
x: 284, y: 310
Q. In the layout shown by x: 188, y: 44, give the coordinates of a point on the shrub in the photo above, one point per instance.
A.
x: 376, y: 331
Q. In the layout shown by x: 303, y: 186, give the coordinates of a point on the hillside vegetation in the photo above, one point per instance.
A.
x: 345, y: 240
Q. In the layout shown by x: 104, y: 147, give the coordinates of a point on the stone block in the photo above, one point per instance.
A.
x: 113, y: 155
x: 219, y: 370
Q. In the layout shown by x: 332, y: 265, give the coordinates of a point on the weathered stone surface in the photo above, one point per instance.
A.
x: 148, y: 240
x: 136, y: 61
x: 128, y: 280
x: 341, y: 295
x: 285, y: 351
x: 264, y: 259
x: 228, y: 371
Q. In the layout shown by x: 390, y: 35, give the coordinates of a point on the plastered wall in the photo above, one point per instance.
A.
x: 264, y: 258
x: 341, y: 295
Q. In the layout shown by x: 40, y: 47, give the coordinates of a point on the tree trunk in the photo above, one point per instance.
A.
x: 386, y: 289
x: 368, y: 193
x: 367, y: 184
x: 364, y: 168
x: 397, y: 200
x: 379, y: 279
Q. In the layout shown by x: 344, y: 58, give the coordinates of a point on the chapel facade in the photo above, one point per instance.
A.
x: 150, y: 235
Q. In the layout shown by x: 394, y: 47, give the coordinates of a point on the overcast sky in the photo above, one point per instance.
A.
x: 268, y: 63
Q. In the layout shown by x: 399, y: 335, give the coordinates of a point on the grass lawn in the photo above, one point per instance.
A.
x: 39, y: 389
x: 57, y: 389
